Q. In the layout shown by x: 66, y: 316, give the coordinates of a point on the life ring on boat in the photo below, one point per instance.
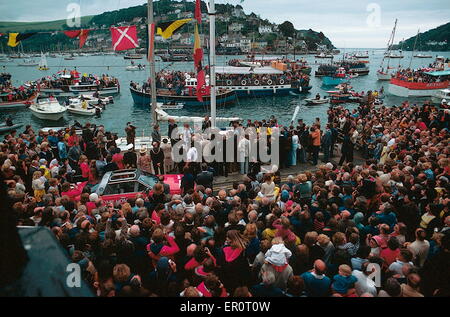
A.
x: 281, y: 81
x: 244, y: 82
x: 229, y: 82
x: 256, y: 82
x: 269, y: 82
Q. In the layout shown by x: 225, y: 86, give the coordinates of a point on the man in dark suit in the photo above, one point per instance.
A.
x: 205, y: 178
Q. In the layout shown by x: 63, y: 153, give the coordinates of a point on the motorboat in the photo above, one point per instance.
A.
x: 83, y: 108
x: 135, y: 68
x: 91, y: 100
x: 317, y: 101
x: 48, y: 109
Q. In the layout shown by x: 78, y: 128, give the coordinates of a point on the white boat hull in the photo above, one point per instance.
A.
x: 48, y: 116
x: 317, y: 101
x: 383, y: 76
x: 405, y: 92
x: 48, y: 110
x: 82, y: 112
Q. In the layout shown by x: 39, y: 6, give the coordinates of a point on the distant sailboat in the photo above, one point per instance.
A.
x: 383, y: 73
x: 43, y: 63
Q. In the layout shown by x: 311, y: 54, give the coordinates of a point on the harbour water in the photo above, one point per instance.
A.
x: 123, y: 110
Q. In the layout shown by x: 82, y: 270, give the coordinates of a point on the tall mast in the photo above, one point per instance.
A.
x: 414, y: 48
x: 150, y: 21
x: 212, y: 52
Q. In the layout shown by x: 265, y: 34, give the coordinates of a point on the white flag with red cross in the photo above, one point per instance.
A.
x: 124, y: 38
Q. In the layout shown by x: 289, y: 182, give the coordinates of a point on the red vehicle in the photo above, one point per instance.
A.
x: 124, y: 184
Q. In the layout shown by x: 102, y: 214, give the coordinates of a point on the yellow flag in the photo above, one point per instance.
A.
x: 167, y: 29
x: 12, y: 39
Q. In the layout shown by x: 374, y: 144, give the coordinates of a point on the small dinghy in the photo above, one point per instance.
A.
x: 170, y: 106
x: 6, y: 128
x: 317, y: 101
x: 48, y: 109
x: 135, y: 68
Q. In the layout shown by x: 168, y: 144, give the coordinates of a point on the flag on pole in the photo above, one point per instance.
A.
x: 167, y: 29
x: 198, y: 56
x: 198, y: 51
x: 124, y: 38
x: 15, y: 38
x: 198, y: 11
x: 81, y: 34
x: 151, y: 41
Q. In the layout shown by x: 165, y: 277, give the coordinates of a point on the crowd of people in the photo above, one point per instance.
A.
x: 9, y: 93
x: 72, y: 77
x: 419, y: 76
x: 320, y: 233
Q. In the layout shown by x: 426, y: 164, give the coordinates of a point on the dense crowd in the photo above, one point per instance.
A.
x: 319, y: 233
x: 67, y: 77
x: 418, y: 76
x: 9, y: 93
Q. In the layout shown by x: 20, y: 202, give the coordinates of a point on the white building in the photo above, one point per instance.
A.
x: 265, y: 29
x: 235, y: 27
x: 246, y: 45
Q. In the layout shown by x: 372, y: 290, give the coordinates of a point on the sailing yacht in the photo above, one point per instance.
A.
x: 43, y: 63
x: 382, y: 73
x: 420, y: 55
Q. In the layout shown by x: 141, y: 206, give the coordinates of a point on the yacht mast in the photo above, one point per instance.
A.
x: 212, y: 52
x: 150, y: 21
x: 414, y: 48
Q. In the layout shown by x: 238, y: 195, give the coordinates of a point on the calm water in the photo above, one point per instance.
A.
x: 123, y: 109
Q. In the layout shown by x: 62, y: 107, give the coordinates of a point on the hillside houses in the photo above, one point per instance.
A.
x: 263, y: 29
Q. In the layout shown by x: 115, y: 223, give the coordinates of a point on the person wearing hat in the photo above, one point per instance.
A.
x: 144, y: 161
x: 130, y: 157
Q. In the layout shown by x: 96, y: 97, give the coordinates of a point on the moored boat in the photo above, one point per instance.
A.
x: 143, y: 98
x: 48, y: 109
x: 70, y: 83
x: 420, y: 55
x: 28, y: 62
x: 135, y: 68
x: 259, y: 82
x: 133, y: 56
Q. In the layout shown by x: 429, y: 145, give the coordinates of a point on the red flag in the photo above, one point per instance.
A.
x: 82, y: 34
x: 198, y: 51
x: 151, y: 41
x: 83, y: 37
x: 198, y: 11
x: 201, y: 82
x: 124, y: 38
x: 72, y: 34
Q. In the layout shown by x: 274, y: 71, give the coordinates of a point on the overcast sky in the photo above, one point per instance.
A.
x: 348, y: 23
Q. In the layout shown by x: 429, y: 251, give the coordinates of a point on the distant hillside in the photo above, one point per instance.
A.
x: 228, y: 17
x: 437, y: 39
x: 39, y: 26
